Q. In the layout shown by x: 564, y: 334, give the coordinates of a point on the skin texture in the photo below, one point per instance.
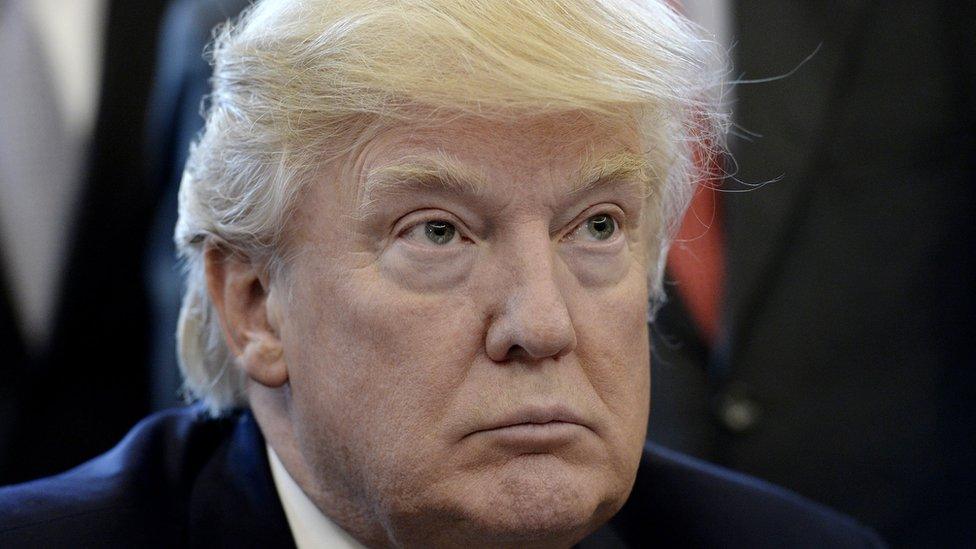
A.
x: 389, y: 372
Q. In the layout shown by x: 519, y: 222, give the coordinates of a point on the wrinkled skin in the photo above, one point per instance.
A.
x: 404, y: 367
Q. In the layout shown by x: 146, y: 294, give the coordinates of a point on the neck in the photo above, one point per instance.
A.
x: 274, y: 413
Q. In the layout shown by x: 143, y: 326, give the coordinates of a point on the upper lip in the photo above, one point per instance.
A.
x: 535, y: 414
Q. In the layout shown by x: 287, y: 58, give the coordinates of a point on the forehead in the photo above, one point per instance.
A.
x: 480, y: 156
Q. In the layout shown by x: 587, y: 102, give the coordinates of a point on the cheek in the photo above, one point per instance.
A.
x: 606, y: 267
x: 376, y: 367
x: 425, y: 270
x: 613, y: 348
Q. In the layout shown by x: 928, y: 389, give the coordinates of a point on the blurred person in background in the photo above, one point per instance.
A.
x: 74, y: 204
x: 819, y: 331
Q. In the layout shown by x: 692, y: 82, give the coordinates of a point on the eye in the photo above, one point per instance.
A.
x: 599, y: 227
x: 431, y: 229
x: 439, y: 232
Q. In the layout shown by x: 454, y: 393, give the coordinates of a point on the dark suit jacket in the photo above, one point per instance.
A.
x: 66, y: 403
x: 847, y: 370
x: 183, y: 479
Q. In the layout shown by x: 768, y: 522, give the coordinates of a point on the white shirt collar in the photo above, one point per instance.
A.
x: 309, y: 526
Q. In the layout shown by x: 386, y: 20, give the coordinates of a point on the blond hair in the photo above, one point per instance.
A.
x: 298, y: 83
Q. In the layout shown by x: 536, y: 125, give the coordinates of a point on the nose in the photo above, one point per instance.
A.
x: 534, y: 320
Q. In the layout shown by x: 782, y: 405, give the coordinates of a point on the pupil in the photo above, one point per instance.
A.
x: 439, y: 232
x: 601, y: 226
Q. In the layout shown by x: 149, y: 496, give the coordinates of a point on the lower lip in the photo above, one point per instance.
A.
x: 536, y: 437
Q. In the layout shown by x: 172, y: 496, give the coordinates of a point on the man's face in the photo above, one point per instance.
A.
x: 465, y: 331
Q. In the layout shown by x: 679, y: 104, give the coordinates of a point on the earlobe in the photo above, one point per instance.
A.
x: 242, y: 298
x: 263, y: 359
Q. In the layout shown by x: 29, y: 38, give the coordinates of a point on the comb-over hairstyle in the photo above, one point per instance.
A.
x: 296, y: 84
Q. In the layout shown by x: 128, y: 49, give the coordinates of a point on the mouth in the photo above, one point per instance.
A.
x: 535, y: 429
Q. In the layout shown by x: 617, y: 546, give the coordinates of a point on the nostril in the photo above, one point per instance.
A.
x: 517, y: 352
x: 531, y: 319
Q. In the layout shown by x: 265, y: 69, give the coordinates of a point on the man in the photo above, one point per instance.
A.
x: 843, y: 363
x: 421, y: 239
x: 74, y: 206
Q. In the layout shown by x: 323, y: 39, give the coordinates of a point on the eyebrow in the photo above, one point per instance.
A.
x: 442, y: 172
x: 414, y: 173
x: 622, y: 167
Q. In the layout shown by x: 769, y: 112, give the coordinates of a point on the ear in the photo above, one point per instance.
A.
x: 242, y: 297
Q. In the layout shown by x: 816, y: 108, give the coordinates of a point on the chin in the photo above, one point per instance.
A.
x: 537, y: 501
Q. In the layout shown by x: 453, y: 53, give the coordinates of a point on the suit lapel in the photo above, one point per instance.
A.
x: 234, y: 502
x: 791, y: 116
x: 13, y: 367
x: 11, y: 339
x: 109, y: 230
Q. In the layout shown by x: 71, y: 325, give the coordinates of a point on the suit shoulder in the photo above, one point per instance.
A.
x: 686, y: 500
x: 128, y: 493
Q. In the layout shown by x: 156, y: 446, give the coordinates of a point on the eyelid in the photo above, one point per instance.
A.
x: 613, y: 211
x: 409, y: 222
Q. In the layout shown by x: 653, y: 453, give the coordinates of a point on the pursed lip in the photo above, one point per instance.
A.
x: 535, y: 415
